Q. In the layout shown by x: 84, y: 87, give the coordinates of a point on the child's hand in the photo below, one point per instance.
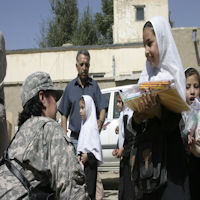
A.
x: 138, y: 117
x: 114, y: 152
x: 117, y: 130
x: 79, y: 158
x: 84, y: 157
x: 119, y: 153
x: 150, y: 105
x: 190, y: 139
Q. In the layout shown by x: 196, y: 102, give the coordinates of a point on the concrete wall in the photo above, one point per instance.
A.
x: 184, y: 38
x: 60, y: 62
x: 126, y: 28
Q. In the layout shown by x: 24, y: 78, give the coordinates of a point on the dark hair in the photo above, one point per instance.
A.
x: 118, y: 94
x: 192, y: 71
x: 84, y: 52
x: 33, y: 107
x: 149, y: 25
x: 82, y: 99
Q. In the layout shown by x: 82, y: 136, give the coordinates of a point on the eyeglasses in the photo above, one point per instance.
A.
x: 86, y: 64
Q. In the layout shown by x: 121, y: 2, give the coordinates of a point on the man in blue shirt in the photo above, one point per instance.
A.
x: 81, y: 85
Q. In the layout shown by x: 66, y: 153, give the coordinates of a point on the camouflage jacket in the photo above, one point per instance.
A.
x: 44, y: 154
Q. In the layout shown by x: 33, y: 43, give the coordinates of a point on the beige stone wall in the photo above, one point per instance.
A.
x: 186, y: 47
x: 126, y: 29
x: 60, y: 62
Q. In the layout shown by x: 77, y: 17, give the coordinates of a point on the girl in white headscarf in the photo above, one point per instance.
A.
x: 89, y: 146
x: 159, y: 169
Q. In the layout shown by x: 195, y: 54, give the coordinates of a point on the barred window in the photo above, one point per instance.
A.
x: 139, y: 13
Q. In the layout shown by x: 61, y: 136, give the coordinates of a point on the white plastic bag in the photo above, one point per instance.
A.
x: 192, y: 127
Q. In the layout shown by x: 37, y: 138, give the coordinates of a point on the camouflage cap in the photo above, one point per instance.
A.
x: 36, y: 82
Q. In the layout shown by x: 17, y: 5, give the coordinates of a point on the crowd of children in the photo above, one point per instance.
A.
x: 155, y: 163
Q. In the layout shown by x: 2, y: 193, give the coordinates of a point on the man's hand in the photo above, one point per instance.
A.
x: 100, y: 124
x: 101, y: 119
x: 64, y: 122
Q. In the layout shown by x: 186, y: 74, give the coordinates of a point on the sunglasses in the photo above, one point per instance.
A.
x: 86, y: 64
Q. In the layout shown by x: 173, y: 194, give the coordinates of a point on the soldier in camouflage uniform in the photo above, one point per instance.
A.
x: 41, y: 149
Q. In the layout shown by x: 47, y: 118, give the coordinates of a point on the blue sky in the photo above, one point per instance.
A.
x: 20, y: 19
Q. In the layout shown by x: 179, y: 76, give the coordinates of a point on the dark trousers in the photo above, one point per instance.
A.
x: 126, y: 186
x: 194, y: 174
x: 90, y: 169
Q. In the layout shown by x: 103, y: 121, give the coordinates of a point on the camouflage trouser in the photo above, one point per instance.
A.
x: 3, y: 130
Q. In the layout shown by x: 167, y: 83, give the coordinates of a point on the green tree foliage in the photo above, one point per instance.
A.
x: 66, y: 27
x: 86, y: 33
x: 170, y: 21
x: 104, y: 22
x: 60, y: 29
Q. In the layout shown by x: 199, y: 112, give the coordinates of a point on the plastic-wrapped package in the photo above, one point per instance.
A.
x: 195, y: 146
x: 191, y: 123
x: 169, y: 96
x: 192, y: 126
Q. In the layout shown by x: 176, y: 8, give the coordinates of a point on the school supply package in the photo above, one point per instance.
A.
x: 168, y: 95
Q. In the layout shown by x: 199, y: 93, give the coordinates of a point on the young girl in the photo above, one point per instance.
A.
x: 89, y: 146
x: 159, y: 171
x: 119, y: 129
x: 192, y: 92
x: 125, y: 142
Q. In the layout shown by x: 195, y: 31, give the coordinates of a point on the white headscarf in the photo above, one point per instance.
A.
x: 89, y: 140
x: 170, y: 66
x: 125, y: 111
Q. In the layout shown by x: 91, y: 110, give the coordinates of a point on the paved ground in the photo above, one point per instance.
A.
x: 110, y: 182
x: 110, y: 195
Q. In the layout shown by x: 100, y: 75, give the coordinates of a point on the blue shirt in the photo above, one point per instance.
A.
x: 69, y: 104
